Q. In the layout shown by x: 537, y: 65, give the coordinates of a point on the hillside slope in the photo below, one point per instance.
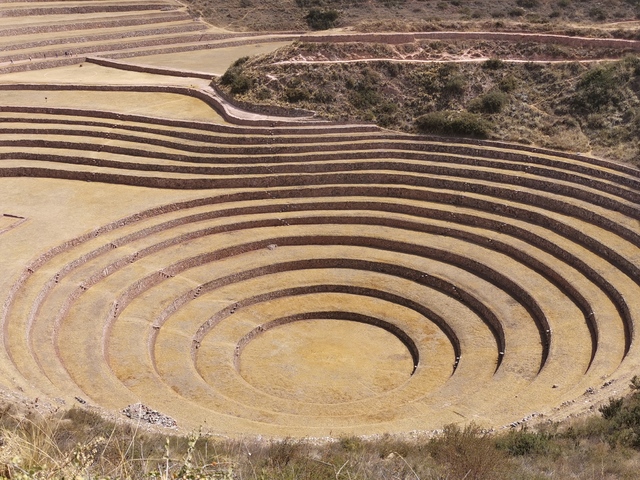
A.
x: 398, y: 14
x: 567, y: 102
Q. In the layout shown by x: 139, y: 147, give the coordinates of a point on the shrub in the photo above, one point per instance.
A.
x: 469, y: 454
x: 528, y: 3
x: 323, y: 96
x: 236, y: 79
x: 321, y: 19
x: 263, y: 94
x: 491, y: 102
x: 241, y: 61
x: 493, y: 64
x: 351, y: 444
x: 386, y: 114
x: 595, y: 89
x: 282, y: 452
x: 612, y: 409
x: 598, y: 13
x: 297, y: 94
x: 455, y: 85
x: 524, y: 442
x: 453, y: 123
x: 364, y: 98
x: 508, y: 83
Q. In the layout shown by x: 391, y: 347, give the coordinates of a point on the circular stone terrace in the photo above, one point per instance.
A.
x: 278, y: 275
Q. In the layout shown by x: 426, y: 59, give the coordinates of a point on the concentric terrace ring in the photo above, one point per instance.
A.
x: 331, y: 278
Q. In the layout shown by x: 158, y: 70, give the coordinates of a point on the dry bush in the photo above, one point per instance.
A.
x: 469, y: 453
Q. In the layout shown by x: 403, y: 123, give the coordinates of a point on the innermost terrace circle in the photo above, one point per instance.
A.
x: 326, y: 360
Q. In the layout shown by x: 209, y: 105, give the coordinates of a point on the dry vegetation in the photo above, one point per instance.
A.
x: 588, y: 107
x: 79, y: 443
x: 398, y: 15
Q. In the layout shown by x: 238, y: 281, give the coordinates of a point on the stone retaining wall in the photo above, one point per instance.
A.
x: 96, y: 37
x: 114, y: 22
x: 261, y: 128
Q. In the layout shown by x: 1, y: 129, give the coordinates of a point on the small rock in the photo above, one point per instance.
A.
x: 81, y: 400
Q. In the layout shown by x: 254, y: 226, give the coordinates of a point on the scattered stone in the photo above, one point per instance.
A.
x: 138, y: 411
x: 81, y: 400
x: 606, y: 384
x: 590, y: 391
x: 272, y: 246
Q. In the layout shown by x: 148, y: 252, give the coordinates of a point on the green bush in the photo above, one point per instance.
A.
x: 241, y: 61
x: 364, y: 98
x: 493, y: 64
x: 236, y: 79
x: 612, y: 409
x: 385, y: 114
x: 297, y: 94
x: 528, y: 3
x: 508, y: 83
x: 454, y: 123
x: 321, y: 19
x: 524, y: 442
x: 491, y: 102
x: 621, y: 419
x: 455, y: 85
x: 596, y: 88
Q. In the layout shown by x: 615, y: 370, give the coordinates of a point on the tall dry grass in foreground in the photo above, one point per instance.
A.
x: 80, y: 444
